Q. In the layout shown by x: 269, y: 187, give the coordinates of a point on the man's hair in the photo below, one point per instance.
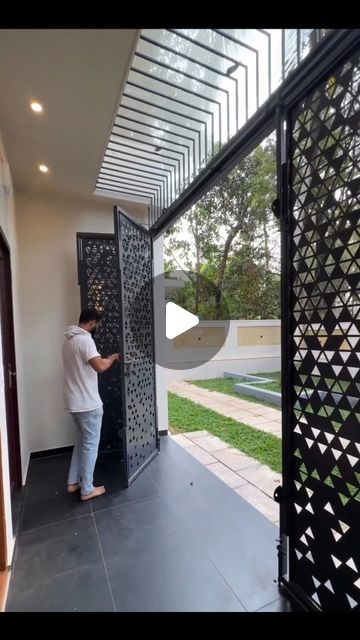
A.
x: 87, y: 315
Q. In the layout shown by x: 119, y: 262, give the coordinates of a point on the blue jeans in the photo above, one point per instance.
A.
x: 86, y: 448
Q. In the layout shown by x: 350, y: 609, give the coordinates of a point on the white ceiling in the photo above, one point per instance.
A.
x: 78, y: 75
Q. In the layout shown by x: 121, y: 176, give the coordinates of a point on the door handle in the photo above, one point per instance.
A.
x: 11, y: 375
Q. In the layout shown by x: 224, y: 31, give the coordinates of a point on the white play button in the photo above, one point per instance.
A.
x: 178, y: 320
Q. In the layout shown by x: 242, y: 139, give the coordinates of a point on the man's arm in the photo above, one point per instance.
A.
x: 100, y: 364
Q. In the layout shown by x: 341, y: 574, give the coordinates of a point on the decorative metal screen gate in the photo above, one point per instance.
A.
x: 320, y: 516
x: 97, y: 275
x: 135, y: 289
x: 115, y: 277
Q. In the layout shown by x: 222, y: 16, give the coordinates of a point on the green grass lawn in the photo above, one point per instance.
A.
x: 226, y: 385
x: 272, y: 386
x: 185, y: 415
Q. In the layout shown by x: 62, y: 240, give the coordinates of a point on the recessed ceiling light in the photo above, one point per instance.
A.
x: 36, y: 106
x: 43, y: 168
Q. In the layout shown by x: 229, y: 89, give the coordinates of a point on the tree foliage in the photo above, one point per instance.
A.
x: 227, y: 237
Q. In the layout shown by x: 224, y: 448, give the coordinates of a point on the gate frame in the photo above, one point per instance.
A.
x: 336, y: 58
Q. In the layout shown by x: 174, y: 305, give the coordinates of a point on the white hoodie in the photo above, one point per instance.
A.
x: 80, y: 380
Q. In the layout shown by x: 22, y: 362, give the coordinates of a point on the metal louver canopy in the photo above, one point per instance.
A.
x: 188, y: 92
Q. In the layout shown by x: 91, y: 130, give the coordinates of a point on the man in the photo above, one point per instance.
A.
x: 82, y: 363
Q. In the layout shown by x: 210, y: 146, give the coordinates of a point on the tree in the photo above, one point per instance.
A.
x: 227, y: 237
x: 189, y: 253
x: 241, y: 203
x: 251, y: 291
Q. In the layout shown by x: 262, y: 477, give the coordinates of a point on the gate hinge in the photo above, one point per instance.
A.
x: 279, y: 494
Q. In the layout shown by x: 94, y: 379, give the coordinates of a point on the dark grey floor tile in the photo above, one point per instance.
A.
x: 49, y: 471
x: 48, y: 552
x: 84, y: 589
x: 281, y: 605
x: 107, y: 473
x: 178, y: 539
x: 238, y: 539
x: 52, y: 507
x: 46, y: 500
x: 155, y: 565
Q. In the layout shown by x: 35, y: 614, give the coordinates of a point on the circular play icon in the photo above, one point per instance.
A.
x: 190, y: 320
x: 178, y: 320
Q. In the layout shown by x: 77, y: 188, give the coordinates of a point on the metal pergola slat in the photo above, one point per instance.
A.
x: 181, y: 104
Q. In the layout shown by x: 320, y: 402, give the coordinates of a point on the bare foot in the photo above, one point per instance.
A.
x: 72, y: 488
x: 98, y: 491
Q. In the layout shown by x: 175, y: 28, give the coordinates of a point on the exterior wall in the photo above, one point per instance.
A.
x: 251, y: 346
x: 50, y: 300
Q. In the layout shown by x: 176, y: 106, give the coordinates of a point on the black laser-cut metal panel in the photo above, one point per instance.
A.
x: 97, y: 266
x: 324, y: 281
x: 134, y: 246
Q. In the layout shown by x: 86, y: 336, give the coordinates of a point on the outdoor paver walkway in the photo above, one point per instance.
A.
x: 252, y: 480
x: 255, y: 415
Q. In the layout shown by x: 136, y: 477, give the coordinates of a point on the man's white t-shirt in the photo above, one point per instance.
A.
x: 81, y: 380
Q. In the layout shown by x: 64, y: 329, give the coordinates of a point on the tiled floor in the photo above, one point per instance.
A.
x: 179, y: 539
x: 255, y: 415
x: 253, y: 481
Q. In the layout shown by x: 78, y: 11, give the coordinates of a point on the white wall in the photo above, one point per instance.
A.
x: 50, y: 300
x: 231, y: 356
x: 7, y: 223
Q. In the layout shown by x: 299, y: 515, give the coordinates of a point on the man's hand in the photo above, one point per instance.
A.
x: 100, y: 365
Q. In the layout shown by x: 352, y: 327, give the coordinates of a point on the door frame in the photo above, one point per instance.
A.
x: 8, y: 348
